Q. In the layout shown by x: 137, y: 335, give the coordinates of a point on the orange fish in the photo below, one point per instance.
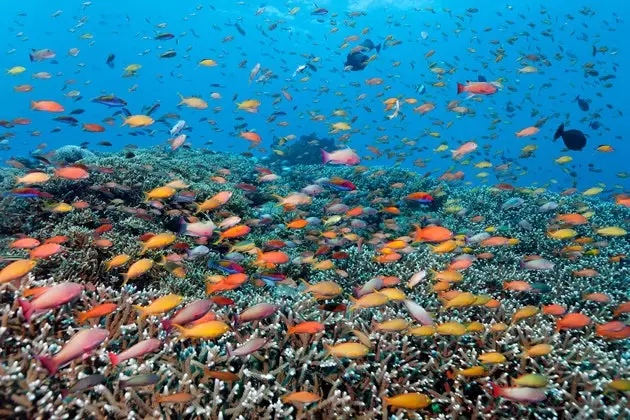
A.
x: 72, y: 173
x: 573, y: 321
x: 47, y: 106
x: 308, y: 327
x: 432, y: 234
x: 96, y: 312
x: 234, y: 232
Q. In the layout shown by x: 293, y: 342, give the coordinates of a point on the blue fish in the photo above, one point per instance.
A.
x: 270, y: 279
x: 228, y: 267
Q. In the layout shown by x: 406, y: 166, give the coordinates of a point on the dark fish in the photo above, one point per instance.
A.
x: 420, y: 89
x: 369, y: 45
x: 595, y: 125
x: 239, y: 29
x: 110, y: 100
x: 573, y: 139
x: 42, y: 159
x: 140, y: 380
x: 77, y: 111
x: 163, y: 37
x: 481, y: 78
x: 584, y: 106
x: 103, y: 143
x: 356, y: 61
x: 320, y: 11
x: 110, y: 60
x: 67, y: 119
x: 129, y: 155
x: 153, y: 109
x: 84, y: 384
x: 168, y: 54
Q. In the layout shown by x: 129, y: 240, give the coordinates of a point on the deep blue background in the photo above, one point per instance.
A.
x: 120, y: 27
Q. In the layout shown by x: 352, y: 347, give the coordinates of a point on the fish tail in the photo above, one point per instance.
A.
x: 325, y: 156
x: 113, y: 357
x: 140, y: 309
x: 180, y: 329
x: 49, y: 363
x: 328, y: 349
x: 125, y: 278
x: 496, y: 391
x: 559, y: 132
x: 27, y: 309
x: 167, y: 324
x: 81, y: 317
x: 33, y: 104
x: 460, y: 88
x: 308, y: 286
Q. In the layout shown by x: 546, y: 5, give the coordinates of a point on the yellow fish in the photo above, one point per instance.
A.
x: 159, y: 305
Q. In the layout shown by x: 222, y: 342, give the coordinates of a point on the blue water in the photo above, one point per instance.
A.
x: 461, y: 41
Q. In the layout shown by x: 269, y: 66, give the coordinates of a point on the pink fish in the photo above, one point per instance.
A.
x: 248, y: 348
x: 189, y: 313
x: 477, y: 88
x: 341, y: 157
x: 52, y: 298
x: 256, y: 313
x: 464, y: 149
x: 518, y: 394
x: 137, y: 350
x: 177, y: 142
x: 229, y: 222
x: 81, y: 343
x: 199, y: 229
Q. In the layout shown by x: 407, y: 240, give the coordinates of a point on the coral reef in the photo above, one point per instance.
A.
x: 579, y: 369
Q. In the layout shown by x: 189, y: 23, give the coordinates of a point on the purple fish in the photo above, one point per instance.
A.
x: 418, y: 313
x: 81, y: 343
x: 137, y: 350
x: 189, y: 313
x: 248, y: 348
x: 52, y: 298
x: 256, y: 313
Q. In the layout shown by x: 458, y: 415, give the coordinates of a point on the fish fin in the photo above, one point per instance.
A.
x: 559, y: 132
x: 49, y: 363
x: 378, y: 48
x: 125, y: 278
x: 460, y: 88
x: 33, y: 104
x: 113, y: 357
x: 27, y: 309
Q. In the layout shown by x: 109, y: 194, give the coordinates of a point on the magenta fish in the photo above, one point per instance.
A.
x: 80, y: 344
x: 52, y: 298
x: 256, y: 313
x: 189, y: 313
x: 137, y: 350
